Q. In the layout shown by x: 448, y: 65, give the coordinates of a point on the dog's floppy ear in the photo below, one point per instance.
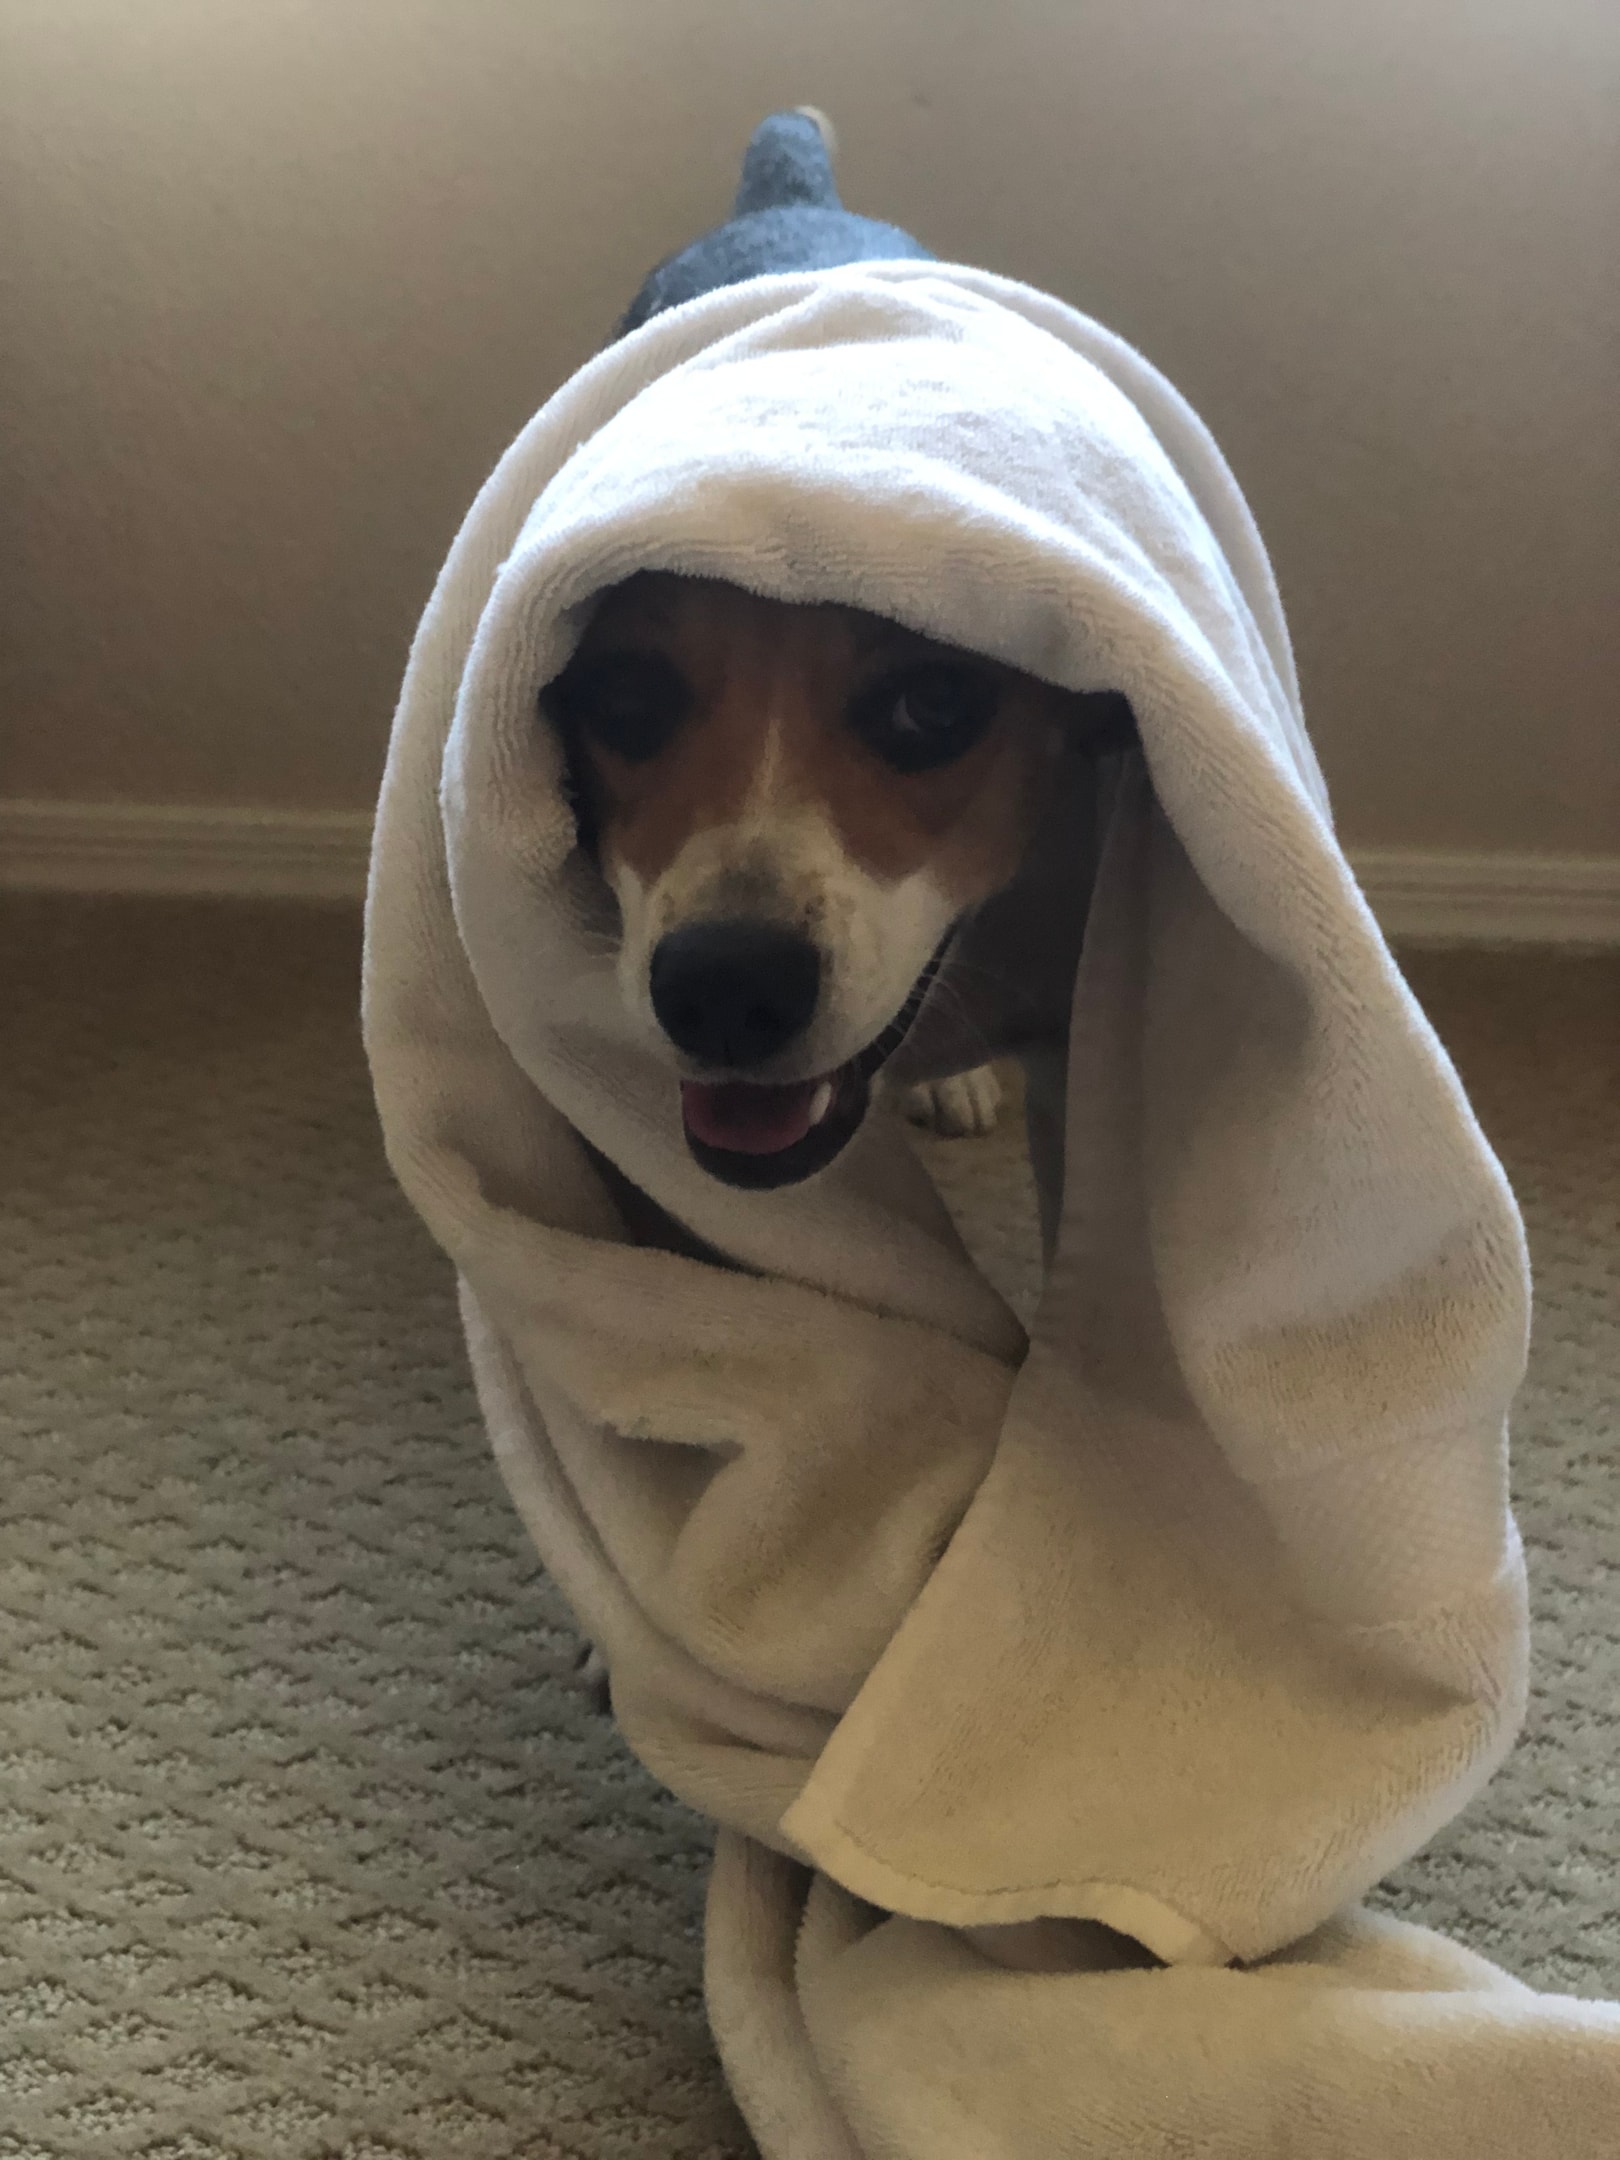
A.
x: 578, y: 784
x: 1106, y: 722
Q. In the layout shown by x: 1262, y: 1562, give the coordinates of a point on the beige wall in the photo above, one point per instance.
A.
x: 283, y: 276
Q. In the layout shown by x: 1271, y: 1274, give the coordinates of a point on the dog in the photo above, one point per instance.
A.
x: 797, y: 807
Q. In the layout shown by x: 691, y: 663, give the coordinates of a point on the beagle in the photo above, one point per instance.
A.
x: 795, y: 807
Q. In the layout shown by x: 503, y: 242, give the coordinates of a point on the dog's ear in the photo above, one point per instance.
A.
x: 578, y: 780
x: 1107, y: 723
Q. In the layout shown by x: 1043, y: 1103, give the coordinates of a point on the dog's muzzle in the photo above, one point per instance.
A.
x: 738, y: 994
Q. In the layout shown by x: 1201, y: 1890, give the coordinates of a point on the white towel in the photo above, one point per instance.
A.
x: 1185, y: 1620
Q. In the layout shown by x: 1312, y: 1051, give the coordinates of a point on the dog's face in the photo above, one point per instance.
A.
x: 794, y: 806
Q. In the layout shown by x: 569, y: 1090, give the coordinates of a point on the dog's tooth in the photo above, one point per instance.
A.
x: 821, y: 1102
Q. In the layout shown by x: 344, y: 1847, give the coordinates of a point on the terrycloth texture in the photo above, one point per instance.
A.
x: 1190, y: 1619
x: 308, y: 1846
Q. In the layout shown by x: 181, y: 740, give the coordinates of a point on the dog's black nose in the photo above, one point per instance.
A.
x: 734, y: 993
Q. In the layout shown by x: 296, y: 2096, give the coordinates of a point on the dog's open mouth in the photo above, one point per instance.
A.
x: 751, y: 1134
x: 756, y: 1136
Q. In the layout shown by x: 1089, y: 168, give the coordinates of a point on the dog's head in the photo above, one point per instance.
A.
x: 795, y: 806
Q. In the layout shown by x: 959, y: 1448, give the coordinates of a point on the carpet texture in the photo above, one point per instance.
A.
x: 308, y: 1844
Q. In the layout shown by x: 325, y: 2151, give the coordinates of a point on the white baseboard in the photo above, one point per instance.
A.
x: 1438, y: 897
x: 175, y: 848
x: 1417, y: 894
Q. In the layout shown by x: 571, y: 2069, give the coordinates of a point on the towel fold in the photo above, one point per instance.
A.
x: 1058, y: 1696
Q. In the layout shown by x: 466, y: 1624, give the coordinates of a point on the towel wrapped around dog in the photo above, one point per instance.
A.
x: 1057, y: 1697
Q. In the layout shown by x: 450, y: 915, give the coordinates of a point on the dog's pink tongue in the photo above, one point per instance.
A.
x: 746, y: 1118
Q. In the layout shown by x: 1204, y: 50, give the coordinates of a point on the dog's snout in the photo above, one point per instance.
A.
x: 733, y: 994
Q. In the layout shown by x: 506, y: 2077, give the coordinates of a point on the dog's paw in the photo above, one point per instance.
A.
x: 966, y: 1103
x: 592, y: 1680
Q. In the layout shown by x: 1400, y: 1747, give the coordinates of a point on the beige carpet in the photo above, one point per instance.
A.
x: 307, y: 1845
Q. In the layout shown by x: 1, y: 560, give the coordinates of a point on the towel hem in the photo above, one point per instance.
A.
x: 1172, y: 1936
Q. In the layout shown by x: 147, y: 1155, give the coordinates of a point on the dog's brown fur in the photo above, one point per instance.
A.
x: 766, y: 802
x: 772, y: 685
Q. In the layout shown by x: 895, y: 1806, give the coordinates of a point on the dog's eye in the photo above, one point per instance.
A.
x: 927, y: 716
x: 629, y: 703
